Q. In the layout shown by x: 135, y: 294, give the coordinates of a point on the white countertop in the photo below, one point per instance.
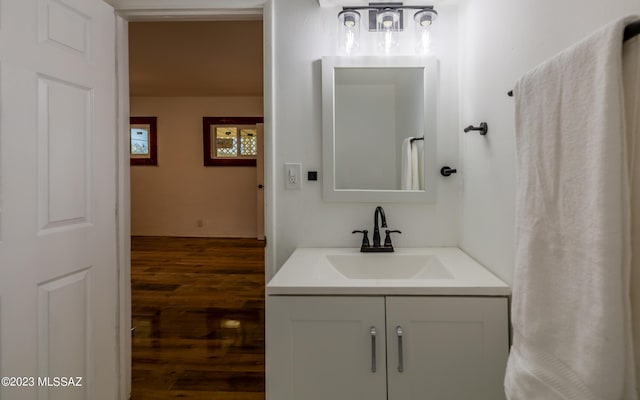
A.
x: 307, y: 272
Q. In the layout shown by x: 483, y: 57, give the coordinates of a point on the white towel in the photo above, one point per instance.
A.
x: 412, y: 164
x: 417, y: 158
x: 631, y: 70
x: 406, y: 178
x: 571, y: 318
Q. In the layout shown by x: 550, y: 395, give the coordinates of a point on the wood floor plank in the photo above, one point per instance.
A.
x: 198, y: 314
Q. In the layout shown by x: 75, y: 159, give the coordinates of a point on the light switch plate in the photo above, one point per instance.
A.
x: 292, y: 176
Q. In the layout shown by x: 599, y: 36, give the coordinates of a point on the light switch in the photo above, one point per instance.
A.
x: 292, y: 176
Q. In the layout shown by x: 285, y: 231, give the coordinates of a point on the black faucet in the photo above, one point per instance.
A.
x: 376, y: 231
x: 377, y: 248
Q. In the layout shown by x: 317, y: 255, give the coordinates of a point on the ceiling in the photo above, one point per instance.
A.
x: 195, y: 58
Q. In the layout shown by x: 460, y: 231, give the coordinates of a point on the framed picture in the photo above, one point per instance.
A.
x: 230, y: 141
x: 143, y: 141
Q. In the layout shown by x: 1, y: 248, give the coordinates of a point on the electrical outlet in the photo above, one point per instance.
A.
x: 292, y: 176
x: 199, y: 223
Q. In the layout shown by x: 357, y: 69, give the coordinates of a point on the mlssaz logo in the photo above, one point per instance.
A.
x: 60, y: 381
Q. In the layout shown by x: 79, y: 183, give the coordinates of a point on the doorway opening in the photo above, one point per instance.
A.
x: 197, y: 259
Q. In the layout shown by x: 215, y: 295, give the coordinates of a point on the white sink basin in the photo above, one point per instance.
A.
x: 388, y: 266
x: 433, y: 271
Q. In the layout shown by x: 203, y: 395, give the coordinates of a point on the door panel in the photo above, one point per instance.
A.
x: 66, y: 26
x: 321, y: 348
x: 64, y: 156
x: 58, y: 252
x: 64, y: 341
x: 452, y: 348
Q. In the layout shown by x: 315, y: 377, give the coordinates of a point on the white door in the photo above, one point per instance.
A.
x: 449, y: 348
x: 321, y: 348
x: 260, y: 183
x: 58, y: 290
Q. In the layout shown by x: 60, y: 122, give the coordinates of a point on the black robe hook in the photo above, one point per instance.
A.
x: 483, y: 128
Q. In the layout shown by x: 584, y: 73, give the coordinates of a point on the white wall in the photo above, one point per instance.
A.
x: 303, y: 33
x: 500, y: 40
x: 169, y: 199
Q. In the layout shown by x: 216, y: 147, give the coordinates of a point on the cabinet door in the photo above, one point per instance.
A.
x: 452, y: 347
x: 322, y: 348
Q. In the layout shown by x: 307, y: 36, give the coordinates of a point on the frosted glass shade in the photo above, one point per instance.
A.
x: 349, y: 31
x: 388, y: 26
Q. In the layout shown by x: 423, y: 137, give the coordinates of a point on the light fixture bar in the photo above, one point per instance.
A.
x: 376, y: 8
x: 385, y: 22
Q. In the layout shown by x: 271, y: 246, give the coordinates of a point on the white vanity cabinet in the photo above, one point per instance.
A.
x: 320, y: 348
x: 453, y: 348
x: 386, y: 347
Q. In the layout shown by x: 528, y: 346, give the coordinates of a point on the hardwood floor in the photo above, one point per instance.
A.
x: 198, y: 313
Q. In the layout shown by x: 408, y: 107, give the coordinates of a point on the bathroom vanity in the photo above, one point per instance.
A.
x: 415, y: 324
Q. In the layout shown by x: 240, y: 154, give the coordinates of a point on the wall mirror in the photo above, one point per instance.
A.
x: 379, y: 128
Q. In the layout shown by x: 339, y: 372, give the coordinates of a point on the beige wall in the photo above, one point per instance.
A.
x: 169, y: 199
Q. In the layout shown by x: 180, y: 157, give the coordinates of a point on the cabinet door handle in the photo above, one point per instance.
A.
x: 400, y: 334
x: 373, y: 333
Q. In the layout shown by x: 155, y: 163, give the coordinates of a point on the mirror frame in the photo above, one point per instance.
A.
x: 429, y: 65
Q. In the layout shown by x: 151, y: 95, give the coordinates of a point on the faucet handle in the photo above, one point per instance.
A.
x: 365, y: 238
x: 387, y: 238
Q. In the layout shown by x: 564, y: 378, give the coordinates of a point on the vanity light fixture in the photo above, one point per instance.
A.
x: 423, y: 20
x: 388, y: 27
x: 387, y: 21
x: 349, y: 30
